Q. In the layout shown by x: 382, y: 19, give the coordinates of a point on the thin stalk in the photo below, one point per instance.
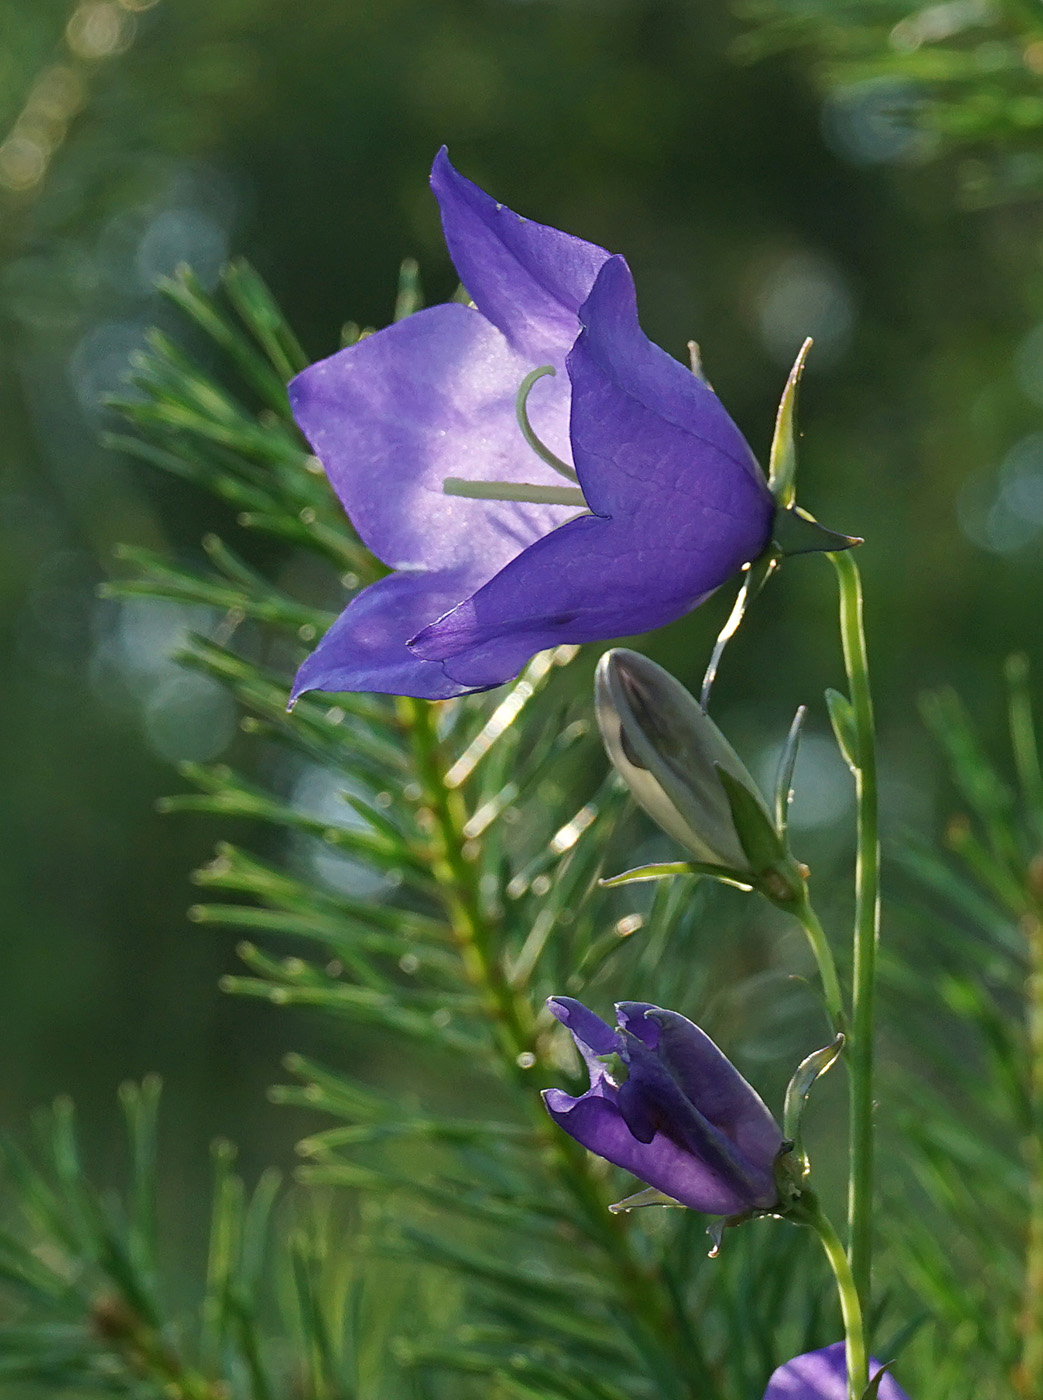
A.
x: 827, y: 970
x: 1028, y: 1377
x: 855, y: 1353
x: 866, y: 930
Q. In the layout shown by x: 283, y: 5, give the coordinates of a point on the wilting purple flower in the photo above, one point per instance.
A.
x: 666, y: 500
x: 684, y: 1119
x: 822, y: 1375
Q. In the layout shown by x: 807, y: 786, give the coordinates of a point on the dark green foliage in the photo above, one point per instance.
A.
x: 965, y: 1118
x: 85, y: 1311
x: 957, y: 77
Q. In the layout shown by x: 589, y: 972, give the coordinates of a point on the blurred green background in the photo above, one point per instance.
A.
x: 754, y: 210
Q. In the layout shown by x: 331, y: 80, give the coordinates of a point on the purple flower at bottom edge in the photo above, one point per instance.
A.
x: 670, y: 501
x: 684, y: 1120
x: 822, y: 1375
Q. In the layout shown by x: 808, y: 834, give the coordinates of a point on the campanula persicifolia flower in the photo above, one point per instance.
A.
x: 822, y: 1375
x: 684, y: 1120
x: 520, y: 509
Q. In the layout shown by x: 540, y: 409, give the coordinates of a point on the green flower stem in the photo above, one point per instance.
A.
x: 827, y: 970
x: 657, y: 1316
x: 867, y: 927
x: 854, y: 1331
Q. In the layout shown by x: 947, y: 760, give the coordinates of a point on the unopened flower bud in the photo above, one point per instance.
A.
x: 672, y: 756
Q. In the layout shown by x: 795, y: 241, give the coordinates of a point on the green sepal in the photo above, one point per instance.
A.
x: 797, y: 532
x: 650, y: 1196
x: 842, y: 718
x: 762, y: 844
x: 667, y: 869
x: 798, y: 1090
x: 784, y: 777
x: 872, y: 1390
x: 782, y: 464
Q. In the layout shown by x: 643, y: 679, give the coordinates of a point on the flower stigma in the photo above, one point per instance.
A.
x: 528, y: 433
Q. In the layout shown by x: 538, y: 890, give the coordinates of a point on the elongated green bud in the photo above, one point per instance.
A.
x: 671, y: 756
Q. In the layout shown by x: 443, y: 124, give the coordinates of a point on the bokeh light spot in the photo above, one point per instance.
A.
x: 989, y: 504
x: 100, y: 363
x: 57, y: 94
x: 23, y: 161
x: 99, y: 29
x: 1028, y: 365
x: 823, y: 793
x: 181, y: 236
x: 937, y: 22
x: 320, y: 793
x: 874, y: 123
x: 804, y: 294
x: 189, y: 718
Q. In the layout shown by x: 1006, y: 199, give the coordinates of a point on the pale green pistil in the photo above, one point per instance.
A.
x: 529, y: 492
x: 514, y: 491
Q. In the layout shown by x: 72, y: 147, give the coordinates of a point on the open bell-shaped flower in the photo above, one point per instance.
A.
x: 531, y: 467
x: 822, y: 1375
x: 684, y: 1120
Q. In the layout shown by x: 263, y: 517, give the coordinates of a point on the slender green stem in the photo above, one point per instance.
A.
x: 827, y: 970
x: 866, y: 931
x: 854, y: 1330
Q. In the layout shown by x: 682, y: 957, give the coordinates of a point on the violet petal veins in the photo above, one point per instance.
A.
x: 822, y: 1375
x: 676, y: 502
x: 684, y: 1120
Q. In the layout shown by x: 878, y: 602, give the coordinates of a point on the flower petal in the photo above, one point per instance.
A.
x: 822, y: 1375
x: 717, y: 1089
x: 587, y: 1028
x: 528, y: 279
x: 631, y: 1017
x: 588, y: 581
x: 596, y: 1122
x: 428, y: 398
x: 685, y: 502
x: 652, y: 1096
x: 365, y: 649
x: 650, y: 439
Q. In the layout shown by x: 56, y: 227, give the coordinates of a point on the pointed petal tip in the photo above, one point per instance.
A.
x: 611, y: 290
x: 442, y: 167
x: 557, y: 1103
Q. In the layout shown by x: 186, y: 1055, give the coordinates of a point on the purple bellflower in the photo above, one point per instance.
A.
x: 532, y: 469
x: 822, y: 1375
x: 684, y: 1119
